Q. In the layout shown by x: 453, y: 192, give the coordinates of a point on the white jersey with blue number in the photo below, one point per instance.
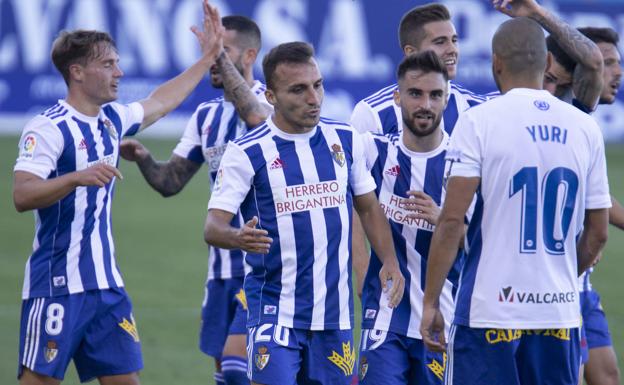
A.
x: 541, y: 164
x: 73, y: 249
x: 397, y: 170
x: 301, y: 188
x: 379, y: 114
x: 205, y: 138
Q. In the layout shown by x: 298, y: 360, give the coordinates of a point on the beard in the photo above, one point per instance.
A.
x: 418, y: 130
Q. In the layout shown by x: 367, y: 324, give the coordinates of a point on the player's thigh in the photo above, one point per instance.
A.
x: 426, y: 367
x: 481, y: 356
x: 329, y: 358
x: 51, y: 329
x: 235, y: 344
x: 549, y: 356
x: 273, y: 355
x: 383, y: 358
x: 215, y: 318
x: 29, y: 377
x: 111, y: 344
x: 602, y: 368
x: 123, y: 379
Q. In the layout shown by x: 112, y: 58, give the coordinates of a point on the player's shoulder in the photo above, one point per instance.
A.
x: 335, y: 124
x: 253, y: 137
x: 49, y: 118
x: 379, y: 98
x: 465, y: 93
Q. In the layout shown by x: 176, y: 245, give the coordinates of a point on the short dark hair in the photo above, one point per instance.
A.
x: 521, y: 45
x: 248, y: 32
x: 411, y: 30
x: 559, y: 54
x: 426, y: 62
x: 601, y: 35
x: 293, y: 52
x: 79, y: 46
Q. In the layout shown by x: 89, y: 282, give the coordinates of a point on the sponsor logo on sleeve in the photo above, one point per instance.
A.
x: 28, y: 147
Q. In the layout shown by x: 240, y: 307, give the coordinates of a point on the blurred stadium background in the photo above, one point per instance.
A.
x: 159, y: 241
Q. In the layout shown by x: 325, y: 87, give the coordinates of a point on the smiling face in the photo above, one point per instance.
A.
x: 98, y: 80
x: 422, y: 97
x: 296, y: 94
x: 612, y: 72
x: 441, y: 38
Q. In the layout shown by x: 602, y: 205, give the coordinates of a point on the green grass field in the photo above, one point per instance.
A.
x: 161, y: 252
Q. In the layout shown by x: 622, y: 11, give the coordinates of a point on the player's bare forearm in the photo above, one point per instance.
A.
x: 616, y: 214
x: 31, y: 192
x: 593, y: 238
x: 168, y: 178
x: 375, y: 225
x: 217, y: 230
x: 239, y: 93
x: 360, y: 252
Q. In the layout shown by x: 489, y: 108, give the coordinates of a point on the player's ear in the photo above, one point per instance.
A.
x: 496, y: 64
x: 270, y: 96
x: 250, y: 55
x: 409, y: 49
x: 76, y: 72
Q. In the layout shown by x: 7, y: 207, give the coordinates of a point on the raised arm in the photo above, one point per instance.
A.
x: 442, y: 254
x: 587, y: 80
x: 170, y: 94
x: 168, y: 178
x: 378, y: 232
x: 593, y: 238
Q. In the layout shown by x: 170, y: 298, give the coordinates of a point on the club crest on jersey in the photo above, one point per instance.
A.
x: 261, y: 359
x: 346, y: 361
x: 541, y: 105
x: 363, y: 368
x: 50, y: 351
x: 30, y: 142
x: 110, y: 128
x: 130, y: 328
x: 338, y: 155
x: 505, y: 295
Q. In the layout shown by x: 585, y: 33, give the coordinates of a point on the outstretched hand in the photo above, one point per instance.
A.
x: 211, y: 37
x: 517, y: 8
x: 253, y: 240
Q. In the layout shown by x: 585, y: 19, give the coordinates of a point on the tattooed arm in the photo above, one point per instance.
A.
x: 168, y: 178
x: 587, y: 79
x: 246, y: 103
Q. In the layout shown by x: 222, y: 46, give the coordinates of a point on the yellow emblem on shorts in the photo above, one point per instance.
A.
x: 346, y: 361
x: 438, y: 369
x: 130, y: 327
x: 262, y: 357
x: 240, y: 296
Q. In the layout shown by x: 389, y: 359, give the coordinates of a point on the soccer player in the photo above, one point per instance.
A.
x: 74, y: 304
x: 297, y: 176
x: 427, y: 27
x: 214, y: 123
x: 538, y: 167
x: 409, y: 171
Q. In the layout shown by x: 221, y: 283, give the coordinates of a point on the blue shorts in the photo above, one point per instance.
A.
x: 224, y: 312
x: 594, y: 320
x: 512, y: 357
x: 282, y: 356
x: 389, y: 358
x: 95, y: 328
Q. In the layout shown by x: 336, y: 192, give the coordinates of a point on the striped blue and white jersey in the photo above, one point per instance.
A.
x: 541, y: 163
x: 205, y: 138
x: 379, y: 114
x: 301, y: 188
x: 396, y: 170
x: 73, y: 249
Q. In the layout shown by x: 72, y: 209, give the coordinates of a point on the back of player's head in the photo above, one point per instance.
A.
x: 559, y: 54
x: 601, y: 35
x: 79, y: 46
x: 426, y: 62
x: 296, y: 52
x: 411, y: 30
x: 520, y: 44
x: 248, y: 33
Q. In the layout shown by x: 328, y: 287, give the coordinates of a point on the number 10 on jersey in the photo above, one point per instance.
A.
x: 558, y: 197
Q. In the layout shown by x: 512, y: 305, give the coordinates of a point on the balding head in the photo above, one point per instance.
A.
x: 519, y: 50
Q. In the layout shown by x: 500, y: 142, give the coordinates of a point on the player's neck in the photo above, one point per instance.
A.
x: 510, y: 84
x: 286, y: 126
x: 426, y: 143
x: 82, y: 104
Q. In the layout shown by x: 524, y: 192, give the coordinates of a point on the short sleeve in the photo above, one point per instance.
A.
x: 40, y: 147
x: 190, y: 146
x: 370, y: 149
x: 361, y: 180
x: 597, y: 196
x: 463, y: 156
x: 364, y: 119
x: 233, y: 180
x: 131, y: 117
